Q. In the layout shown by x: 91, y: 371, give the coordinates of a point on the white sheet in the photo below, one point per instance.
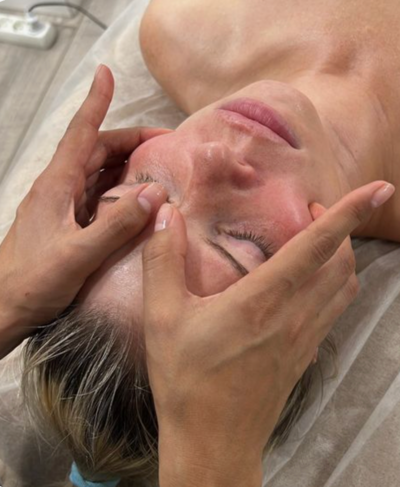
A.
x: 352, y: 437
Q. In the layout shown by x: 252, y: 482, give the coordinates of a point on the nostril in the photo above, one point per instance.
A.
x: 245, y: 176
x: 242, y: 162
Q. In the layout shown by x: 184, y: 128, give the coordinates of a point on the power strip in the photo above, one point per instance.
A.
x: 27, y: 31
x: 23, y: 6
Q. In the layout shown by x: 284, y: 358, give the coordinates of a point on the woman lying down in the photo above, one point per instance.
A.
x: 288, y: 103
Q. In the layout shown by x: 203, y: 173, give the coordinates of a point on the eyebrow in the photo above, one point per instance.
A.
x: 224, y: 253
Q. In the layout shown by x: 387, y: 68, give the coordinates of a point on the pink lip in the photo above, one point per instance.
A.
x: 263, y: 114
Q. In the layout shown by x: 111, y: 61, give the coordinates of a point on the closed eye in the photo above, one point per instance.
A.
x: 109, y: 199
x: 240, y: 268
x: 258, y: 240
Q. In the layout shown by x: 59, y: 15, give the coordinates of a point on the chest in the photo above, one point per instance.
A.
x: 232, y: 26
x: 213, y: 46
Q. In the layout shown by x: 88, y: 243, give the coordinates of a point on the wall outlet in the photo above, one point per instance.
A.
x: 20, y: 30
x: 23, y: 5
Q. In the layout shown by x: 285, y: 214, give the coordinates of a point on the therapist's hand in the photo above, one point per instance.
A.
x: 222, y: 368
x: 51, y: 248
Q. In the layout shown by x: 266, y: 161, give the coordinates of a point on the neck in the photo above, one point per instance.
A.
x: 358, y: 120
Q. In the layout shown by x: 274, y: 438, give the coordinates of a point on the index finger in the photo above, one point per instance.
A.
x: 115, y: 146
x: 76, y: 147
x: 311, y: 248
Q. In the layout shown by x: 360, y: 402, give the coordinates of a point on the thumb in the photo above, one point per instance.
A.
x: 164, y: 284
x: 126, y: 217
x: 317, y: 210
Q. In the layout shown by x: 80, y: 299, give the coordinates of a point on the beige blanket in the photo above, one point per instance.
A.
x: 350, y: 437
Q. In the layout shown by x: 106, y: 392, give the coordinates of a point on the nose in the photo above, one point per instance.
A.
x: 216, y: 164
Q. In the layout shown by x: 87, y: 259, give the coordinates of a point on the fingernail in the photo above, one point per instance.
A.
x: 382, y: 195
x: 98, y: 70
x: 163, y: 217
x: 151, y: 196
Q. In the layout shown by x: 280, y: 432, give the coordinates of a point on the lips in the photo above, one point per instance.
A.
x: 263, y: 114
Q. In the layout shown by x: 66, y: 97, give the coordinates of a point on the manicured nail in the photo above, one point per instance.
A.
x: 382, y: 195
x: 163, y: 217
x: 151, y: 196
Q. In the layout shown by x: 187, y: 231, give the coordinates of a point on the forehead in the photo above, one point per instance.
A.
x: 119, y: 280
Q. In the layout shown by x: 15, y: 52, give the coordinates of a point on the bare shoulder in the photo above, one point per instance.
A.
x: 166, y: 44
x: 186, y: 46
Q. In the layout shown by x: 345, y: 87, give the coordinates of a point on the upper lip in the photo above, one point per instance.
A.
x: 264, y: 115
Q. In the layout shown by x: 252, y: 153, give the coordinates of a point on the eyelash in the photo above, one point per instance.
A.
x: 256, y: 239
x: 144, y: 177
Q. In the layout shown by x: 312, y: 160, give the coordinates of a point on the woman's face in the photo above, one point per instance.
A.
x: 243, y: 191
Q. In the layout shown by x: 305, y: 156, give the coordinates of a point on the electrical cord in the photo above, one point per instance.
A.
x: 69, y: 5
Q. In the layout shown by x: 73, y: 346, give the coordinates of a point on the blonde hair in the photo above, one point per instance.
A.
x: 85, y: 374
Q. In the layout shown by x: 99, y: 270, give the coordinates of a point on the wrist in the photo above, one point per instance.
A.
x: 182, y: 473
x: 12, y: 330
x: 197, y: 465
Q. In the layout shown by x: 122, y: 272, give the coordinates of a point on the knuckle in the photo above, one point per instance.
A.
x: 117, y: 223
x: 324, y: 247
x: 284, y: 286
x: 347, y: 263
x: 258, y: 304
x: 75, y: 124
x: 358, y: 213
x: 156, y: 252
x: 295, y: 331
x: 134, y: 216
x: 340, y: 306
x: 256, y: 309
x: 352, y: 288
x: 352, y: 261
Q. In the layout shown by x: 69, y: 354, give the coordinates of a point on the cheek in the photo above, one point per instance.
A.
x: 161, y: 150
x: 286, y: 210
x: 206, y: 274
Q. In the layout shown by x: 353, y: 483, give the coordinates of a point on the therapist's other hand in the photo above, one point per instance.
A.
x: 51, y: 248
x: 222, y: 368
